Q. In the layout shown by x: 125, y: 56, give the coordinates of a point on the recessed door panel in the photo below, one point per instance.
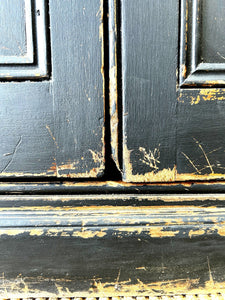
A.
x: 173, y: 95
x: 24, y: 44
x: 51, y: 88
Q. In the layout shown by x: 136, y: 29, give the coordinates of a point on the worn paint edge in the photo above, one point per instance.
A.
x: 147, y: 223
x: 156, y: 232
x: 166, y: 175
x: 197, y: 96
x: 80, y: 199
x: 113, y: 80
x: 179, y: 288
x: 101, y: 37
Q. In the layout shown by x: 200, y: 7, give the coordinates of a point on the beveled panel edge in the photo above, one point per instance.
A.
x: 37, y: 67
x: 192, y: 72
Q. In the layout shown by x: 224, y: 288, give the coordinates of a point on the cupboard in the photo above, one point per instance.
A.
x: 112, y: 155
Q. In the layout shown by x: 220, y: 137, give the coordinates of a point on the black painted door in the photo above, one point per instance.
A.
x: 51, y: 88
x: 173, y: 72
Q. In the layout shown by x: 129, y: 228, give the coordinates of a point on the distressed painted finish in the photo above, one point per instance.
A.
x: 106, y: 187
x: 149, y: 58
x: 66, y: 246
x: 215, y: 296
x: 101, y: 239
x: 173, y: 108
x: 114, y: 81
x: 52, y: 126
x: 78, y: 87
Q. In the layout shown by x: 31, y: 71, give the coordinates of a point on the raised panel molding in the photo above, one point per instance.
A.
x: 17, y: 35
x: 194, y: 71
x: 25, y: 56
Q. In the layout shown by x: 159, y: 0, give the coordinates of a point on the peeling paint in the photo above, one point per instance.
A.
x: 197, y: 232
x: 220, y: 230
x: 208, y: 95
x: 193, y: 176
x: 11, y: 232
x: 56, y: 232
x: 36, y: 232
x: 86, y: 234
x: 53, y: 232
x: 130, y: 230
x: 153, y: 232
x: 49, y: 173
x: 159, y: 232
x: 197, y: 96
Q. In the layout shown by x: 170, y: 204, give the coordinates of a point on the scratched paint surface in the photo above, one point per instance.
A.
x: 159, y: 268
x: 79, y: 94
x: 170, y: 133
x: 111, y: 250
x: 63, y: 248
x: 149, y: 90
x: 55, y: 127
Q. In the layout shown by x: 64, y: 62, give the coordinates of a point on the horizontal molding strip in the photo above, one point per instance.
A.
x: 79, y: 212
x: 60, y: 202
x: 106, y: 187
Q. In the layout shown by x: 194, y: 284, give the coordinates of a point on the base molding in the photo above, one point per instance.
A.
x: 112, y: 245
